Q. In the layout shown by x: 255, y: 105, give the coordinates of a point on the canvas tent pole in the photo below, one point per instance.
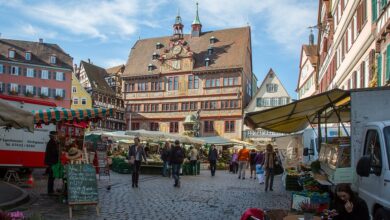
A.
x: 338, y: 115
x: 319, y: 130
x: 311, y: 125
x: 326, y: 128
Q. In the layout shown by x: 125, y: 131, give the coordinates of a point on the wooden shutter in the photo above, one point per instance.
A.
x: 359, y: 17
x: 387, y: 63
x: 379, y: 70
x: 39, y: 91
x: 374, y: 10
x: 19, y: 88
x: 364, y: 11
x: 35, y: 73
x: 362, y: 74
x: 354, y: 80
x: 371, y: 64
x: 34, y: 90
x: 63, y: 76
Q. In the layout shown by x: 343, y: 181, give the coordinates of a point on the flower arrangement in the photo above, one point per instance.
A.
x: 43, y: 96
x: 13, y: 92
x: 308, y: 207
x: 28, y: 94
x: 17, y: 215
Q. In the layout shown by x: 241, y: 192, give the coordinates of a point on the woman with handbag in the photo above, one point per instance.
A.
x: 269, y: 163
x: 136, y: 153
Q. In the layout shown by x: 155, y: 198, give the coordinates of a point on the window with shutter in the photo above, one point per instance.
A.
x: 1, y: 68
x: 374, y: 10
x: 388, y: 63
x: 379, y: 70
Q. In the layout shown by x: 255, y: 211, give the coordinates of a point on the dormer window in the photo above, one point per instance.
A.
x: 155, y: 56
x: 213, y: 40
x: 28, y: 56
x: 53, y: 59
x: 11, y: 53
x: 207, y: 62
x: 150, y: 67
x: 210, y: 50
x: 159, y: 45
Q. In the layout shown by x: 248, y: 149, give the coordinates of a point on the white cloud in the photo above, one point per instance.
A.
x: 114, y: 62
x: 36, y: 32
x: 284, y: 21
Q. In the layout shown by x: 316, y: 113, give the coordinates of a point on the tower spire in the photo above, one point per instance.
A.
x: 196, y: 25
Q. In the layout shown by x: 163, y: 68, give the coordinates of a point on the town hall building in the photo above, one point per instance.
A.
x: 207, y: 73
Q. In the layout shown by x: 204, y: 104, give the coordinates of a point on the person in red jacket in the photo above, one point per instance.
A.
x: 243, y: 158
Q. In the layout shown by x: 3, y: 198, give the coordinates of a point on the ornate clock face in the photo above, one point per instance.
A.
x: 176, y: 50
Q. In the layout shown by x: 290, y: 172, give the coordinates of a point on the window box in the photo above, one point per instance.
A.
x: 57, y: 97
x: 43, y: 96
x: 13, y: 92
x: 28, y: 94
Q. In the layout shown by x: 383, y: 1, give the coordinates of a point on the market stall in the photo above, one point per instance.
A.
x: 311, y: 183
x: 76, y: 169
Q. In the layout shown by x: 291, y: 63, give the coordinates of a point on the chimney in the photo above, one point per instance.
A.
x: 40, y: 40
x: 75, y: 68
x: 89, y: 60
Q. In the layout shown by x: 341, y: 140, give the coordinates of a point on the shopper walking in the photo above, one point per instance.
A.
x: 51, y: 158
x: 213, y: 156
x: 136, y: 153
x: 252, y: 163
x: 269, y: 162
x: 165, y: 153
x: 243, y: 158
x: 259, y: 160
x: 234, y: 161
x: 194, y: 160
x: 176, y: 158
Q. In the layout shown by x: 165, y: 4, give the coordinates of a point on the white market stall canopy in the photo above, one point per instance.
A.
x: 298, y: 115
x: 11, y: 116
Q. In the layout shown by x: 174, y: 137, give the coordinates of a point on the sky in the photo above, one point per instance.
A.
x: 105, y: 31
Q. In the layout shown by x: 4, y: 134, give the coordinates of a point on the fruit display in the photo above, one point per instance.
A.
x: 292, y: 178
x: 309, y: 183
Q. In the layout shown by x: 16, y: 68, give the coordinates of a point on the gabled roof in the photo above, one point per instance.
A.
x: 96, y: 76
x: 40, y: 53
x: 230, y: 51
x: 115, y: 69
x: 311, y: 53
x: 270, y: 72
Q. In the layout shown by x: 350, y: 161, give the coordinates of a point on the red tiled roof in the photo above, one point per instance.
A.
x: 115, y: 69
x: 40, y: 53
x: 230, y: 51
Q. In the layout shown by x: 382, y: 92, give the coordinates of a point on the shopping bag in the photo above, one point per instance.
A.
x: 58, y: 170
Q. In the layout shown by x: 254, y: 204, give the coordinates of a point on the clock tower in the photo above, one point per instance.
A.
x: 178, y: 27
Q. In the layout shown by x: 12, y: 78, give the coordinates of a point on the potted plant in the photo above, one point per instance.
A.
x: 308, y: 209
x: 28, y: 94
x: 43, y: 96
x: 13, y: 92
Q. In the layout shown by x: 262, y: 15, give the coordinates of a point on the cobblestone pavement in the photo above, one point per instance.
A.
x: 223, y: 196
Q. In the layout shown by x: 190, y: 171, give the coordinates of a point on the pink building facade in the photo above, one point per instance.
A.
x: 35, y: 70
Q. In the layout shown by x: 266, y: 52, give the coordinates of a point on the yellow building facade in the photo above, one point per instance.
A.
x: 80, y: 98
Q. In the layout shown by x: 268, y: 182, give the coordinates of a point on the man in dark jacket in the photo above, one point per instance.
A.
x: 136, y: 153
x: 176, y: 159
x: 213, y: 156
x: 165, y: 154
x: 51, y: 158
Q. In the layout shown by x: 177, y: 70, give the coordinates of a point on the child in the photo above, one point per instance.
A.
x: 260, y: 173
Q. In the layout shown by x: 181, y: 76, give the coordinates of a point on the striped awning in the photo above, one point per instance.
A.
x: 46, y: 116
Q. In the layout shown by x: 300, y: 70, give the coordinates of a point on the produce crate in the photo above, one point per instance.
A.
x: 292, y: 183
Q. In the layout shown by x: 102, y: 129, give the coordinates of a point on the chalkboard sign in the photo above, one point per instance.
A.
x: 82, y: 185
x: 101, y: 154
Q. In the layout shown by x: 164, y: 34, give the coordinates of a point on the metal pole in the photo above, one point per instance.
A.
x: 319, y: 131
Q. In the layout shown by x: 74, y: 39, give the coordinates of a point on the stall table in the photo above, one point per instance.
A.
x: 299, y: 217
